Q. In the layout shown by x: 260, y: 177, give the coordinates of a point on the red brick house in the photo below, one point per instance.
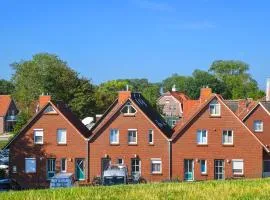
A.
x: 131, y: 133
x: 53, y: 141
x: 258, y: 121
x: 213, y: 143
x: 8, y: 112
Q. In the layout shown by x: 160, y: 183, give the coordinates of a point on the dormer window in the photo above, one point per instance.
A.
x: 258, y: 126
x: 214, y: 109
x: 128, y: 109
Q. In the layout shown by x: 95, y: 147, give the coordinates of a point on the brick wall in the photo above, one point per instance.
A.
x: 244, y: 147
x: 24, y: 147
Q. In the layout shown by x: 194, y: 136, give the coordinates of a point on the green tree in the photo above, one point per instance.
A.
x: 6, y: 87
x: 47, y: 73
x: 239, y: 83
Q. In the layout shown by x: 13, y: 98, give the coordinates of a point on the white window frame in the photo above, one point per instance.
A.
x: 200, y: 132
x: 151, y: 132
x: 38, y: 133
x: 118, y: 159
x: 243, y: 163
x: 217, y: 109
x: 117, y: 138
x: 136, y: 165
x: 226, y: 143
x: 205, y: 172
x: 133, y: 130
x: 156, y: 161
x: 129, y: 107
x: 261, y: 126
x: 61, y: 162
x: 26, y: 165
x: 59, y: 131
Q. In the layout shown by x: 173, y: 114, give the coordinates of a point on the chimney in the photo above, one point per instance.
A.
x: 43, y: 100
x: 123, y: 96
x: 268, y: 90
x: 206, y: 92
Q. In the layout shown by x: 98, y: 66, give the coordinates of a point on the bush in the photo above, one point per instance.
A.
x: 2, y: 173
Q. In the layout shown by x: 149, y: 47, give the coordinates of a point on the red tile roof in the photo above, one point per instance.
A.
x: 5, y: 101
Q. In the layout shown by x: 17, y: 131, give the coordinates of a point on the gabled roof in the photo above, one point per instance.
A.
x: 5, y: 101
x: 264, y: 104
x: 62, y: 109
x: 177, y: 132
x: 181, y: 97
x: 143, y: 105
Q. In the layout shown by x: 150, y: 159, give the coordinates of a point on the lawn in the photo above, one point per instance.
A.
x: 2, y: 144
x: 240, y: 189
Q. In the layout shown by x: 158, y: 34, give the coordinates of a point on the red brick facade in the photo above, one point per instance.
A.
x: 24, y: 147
x: 244, y: 146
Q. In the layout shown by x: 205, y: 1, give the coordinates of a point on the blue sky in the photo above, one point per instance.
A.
x: 109, y: 39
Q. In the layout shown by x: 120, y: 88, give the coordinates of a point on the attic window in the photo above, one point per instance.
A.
x: 49, y: 110
x: 128, y: 109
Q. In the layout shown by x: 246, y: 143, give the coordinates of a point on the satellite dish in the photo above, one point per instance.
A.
x: 87, y: 120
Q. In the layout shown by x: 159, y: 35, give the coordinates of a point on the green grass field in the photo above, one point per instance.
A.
x: 2, y: 144
x: 240, y: 189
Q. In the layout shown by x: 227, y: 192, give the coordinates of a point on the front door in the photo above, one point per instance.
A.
x: 219, y: 170
x: 79, y: 169
x: 189, y: 170
x: 105, y: 163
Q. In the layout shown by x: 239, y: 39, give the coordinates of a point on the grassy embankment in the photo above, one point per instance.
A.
x: 240, y: 189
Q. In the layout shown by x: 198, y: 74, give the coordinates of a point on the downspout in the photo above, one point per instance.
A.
x: 170, y: 158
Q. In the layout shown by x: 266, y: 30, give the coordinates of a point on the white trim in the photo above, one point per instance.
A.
x: 57, y: 138
x: 61, y: 161
x: 205, y: 166
x: 41, y: 134
x: 238, y: 160
x: 200, y: 131
x: 118, y: 133
x: 128, y: 113
x: 136, y: 131
x: 215, y: 104
x: 226, y: 131
x: 120, y: 159
x: 152, y: 133
x: 156, y: 161
x: 261, y: 126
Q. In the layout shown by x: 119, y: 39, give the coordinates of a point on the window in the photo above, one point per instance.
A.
x: 238, y: 167
x: 63, y: 165
x: 258, y: 126
x: 135, y: 166
x: 132, y: 136
x: 120, y: 161
x: 114, y: 136
x: 128, y: 109
x: 219, y: 170
x: 173, y: 122
x: 38, y: 136
x: 50, y: 168
x: 30, y: 165
x: 151, y: 136
x: 227, y: 137
x: 14, y: 169
x: 61, y: 136
x: 156, y: 166
x: 203, y: 166
x: 201, y: 137
x: 49, y: 110
x: 214, y: 109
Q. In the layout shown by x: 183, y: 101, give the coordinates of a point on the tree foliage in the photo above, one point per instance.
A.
x: 6, y: 87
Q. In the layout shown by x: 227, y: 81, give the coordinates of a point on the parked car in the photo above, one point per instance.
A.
x: 62, y: 180
x: 114, y: 175
x: 8, y: 184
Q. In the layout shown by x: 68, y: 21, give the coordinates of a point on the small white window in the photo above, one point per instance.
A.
x: 151, y: 136
x: 203, y: 166
x: 38, y: 136
x: 156, y: 166
x: 174, y: 122
x: 132, y: 136
x: 227, y: 137
x: 114, y: 136
x: 128, y: 109
x: 30, y: 165
x: 14, y: 169
x: 120, y: 161
x: 238, y: 167
x: 63, y: 165
x: 258, y: 126
x: 61, y: 136
x: 201, y: 137
x: 49, y: 110
x: 214, y: 109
